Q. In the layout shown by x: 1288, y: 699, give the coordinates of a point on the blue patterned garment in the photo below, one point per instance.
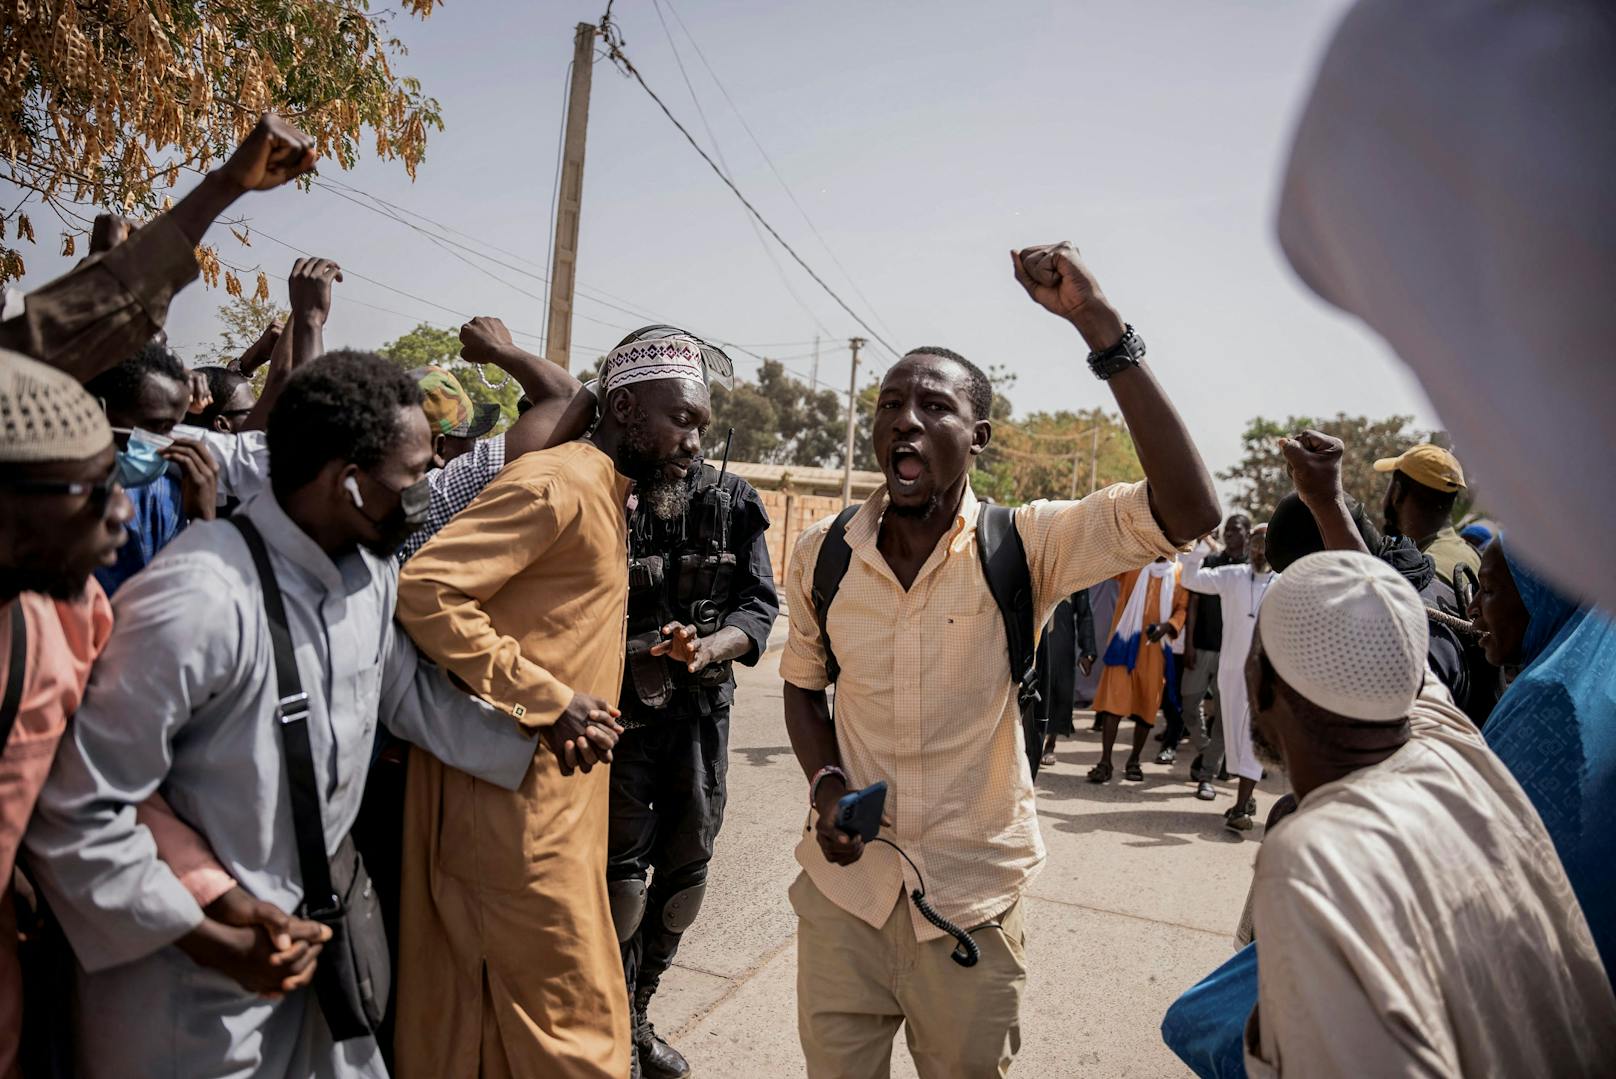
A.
x: 1555, y: 729
x: 159, y: 516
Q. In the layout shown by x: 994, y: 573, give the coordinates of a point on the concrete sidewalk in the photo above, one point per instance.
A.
x: 1138, y: 901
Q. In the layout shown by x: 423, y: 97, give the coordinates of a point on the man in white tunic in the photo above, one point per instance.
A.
x: 1240, y: 587
x: 1413, y: 915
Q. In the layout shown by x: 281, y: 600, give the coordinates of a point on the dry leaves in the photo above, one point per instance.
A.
x: 89, y: 91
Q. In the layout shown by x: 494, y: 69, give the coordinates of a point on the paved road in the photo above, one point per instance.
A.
x: 1139, y: 899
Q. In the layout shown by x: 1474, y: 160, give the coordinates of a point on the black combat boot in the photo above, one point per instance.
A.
x: 655, y: 1057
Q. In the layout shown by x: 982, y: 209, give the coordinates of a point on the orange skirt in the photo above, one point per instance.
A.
x: 1135, y: 693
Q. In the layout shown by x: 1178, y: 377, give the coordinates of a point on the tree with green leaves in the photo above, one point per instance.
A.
x: 428, y: 344
x: 243, y: 320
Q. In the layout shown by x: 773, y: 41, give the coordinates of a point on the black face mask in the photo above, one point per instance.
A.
x: 402, y: 521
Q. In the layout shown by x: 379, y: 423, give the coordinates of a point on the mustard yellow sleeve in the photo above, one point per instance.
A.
x: 442, y: 588
x: 1072, y: 545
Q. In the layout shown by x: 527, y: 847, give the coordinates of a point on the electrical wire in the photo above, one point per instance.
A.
x: 614, y: 43
x: 718, y: 151
x: 773, y: 168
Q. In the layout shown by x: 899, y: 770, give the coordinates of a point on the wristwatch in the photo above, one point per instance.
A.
x: 1119, y: 357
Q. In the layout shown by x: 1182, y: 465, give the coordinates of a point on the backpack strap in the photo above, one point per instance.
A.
x: 16, y: 672
x: 1004, y: 564
x: 292, y: 711
x: 829, y: 568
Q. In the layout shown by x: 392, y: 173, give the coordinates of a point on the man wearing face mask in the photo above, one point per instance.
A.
x: 169, y: 480
x: 509, y: 961
x: 184, y: 698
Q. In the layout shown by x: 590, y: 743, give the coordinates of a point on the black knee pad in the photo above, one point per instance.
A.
x: 679, y: 912
x: 628, y: 906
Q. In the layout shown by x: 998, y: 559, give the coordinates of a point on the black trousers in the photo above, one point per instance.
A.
x: 668, y: 792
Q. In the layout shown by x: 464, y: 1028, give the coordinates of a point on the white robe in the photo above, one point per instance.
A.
x: 1241, y: 590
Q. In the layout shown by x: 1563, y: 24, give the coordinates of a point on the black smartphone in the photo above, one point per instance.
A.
x: 859, y: 813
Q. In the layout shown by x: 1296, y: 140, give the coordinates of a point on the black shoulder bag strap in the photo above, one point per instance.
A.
x: 319, y: 898
x: 16, y: 673
x: 1004, y: 564
x: 829, y: 569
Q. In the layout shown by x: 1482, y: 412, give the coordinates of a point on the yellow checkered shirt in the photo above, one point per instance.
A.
x: 925, y: 699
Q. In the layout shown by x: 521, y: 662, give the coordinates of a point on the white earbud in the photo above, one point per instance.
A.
x: 353, y: 492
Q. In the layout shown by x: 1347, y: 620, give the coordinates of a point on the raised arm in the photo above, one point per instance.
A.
x: 1314, y: 460
x: 303, y: 340
x: 1181, y: 493
x: 561, y: 410
x: 111, y: 304
x: 1194, y: 575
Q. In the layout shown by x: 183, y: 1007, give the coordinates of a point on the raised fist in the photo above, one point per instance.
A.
x: 1314, y: 460
x: 1055, y: 277
x: 310, y: 287
x: 273, y: 153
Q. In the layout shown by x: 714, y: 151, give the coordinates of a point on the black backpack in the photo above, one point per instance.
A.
x: 1004, y: 564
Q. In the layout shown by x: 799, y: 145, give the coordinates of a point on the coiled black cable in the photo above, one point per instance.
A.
x: 966, y: 953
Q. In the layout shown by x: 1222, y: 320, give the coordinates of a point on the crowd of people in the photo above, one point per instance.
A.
x: 343, y: 736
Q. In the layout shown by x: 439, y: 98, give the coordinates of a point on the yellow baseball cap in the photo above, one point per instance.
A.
x: 1427, y: 465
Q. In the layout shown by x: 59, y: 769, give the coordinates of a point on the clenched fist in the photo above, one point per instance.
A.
x: 273, y: 153
x: 1054, y: 275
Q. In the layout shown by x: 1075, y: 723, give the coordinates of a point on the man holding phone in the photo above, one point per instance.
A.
x: 926, y: 703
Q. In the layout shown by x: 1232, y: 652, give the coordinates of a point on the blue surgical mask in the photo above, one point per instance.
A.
x: 140, y: 463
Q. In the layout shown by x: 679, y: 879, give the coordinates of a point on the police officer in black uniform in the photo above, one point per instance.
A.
x: 701, y: 597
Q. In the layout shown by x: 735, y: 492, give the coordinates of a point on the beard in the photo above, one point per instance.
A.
x: 666, y: 499
x: 1267, y: 753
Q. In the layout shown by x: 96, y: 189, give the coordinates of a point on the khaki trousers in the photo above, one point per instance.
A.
x: 856, y: 985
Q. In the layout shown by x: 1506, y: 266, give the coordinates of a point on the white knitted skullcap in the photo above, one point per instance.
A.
x: 1348, y: 633
x: 45, y: 415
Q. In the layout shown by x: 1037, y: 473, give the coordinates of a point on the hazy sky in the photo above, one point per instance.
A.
x: 923, y: 139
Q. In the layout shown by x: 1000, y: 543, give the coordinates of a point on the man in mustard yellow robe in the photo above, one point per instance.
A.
x: 509, y: 962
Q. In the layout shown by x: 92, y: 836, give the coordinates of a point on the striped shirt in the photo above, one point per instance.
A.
x: 925, y: 700
x: 454, y: 486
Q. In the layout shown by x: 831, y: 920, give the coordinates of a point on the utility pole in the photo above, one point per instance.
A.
x: 1094, y: 460
x: 813, y: 380
x: 569, y: 202
x: 854, y: 343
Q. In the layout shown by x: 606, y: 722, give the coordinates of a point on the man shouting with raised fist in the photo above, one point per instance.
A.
x: 927, y: 701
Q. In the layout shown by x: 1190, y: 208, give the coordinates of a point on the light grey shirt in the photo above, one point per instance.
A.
x: 182, y: 701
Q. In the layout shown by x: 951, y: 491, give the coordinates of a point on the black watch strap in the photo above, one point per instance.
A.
x: 1126, y: 353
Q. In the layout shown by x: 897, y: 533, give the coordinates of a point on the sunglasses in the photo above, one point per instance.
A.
x: 99, y: 495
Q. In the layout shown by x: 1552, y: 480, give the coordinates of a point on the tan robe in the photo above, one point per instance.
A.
x: 508, y: 962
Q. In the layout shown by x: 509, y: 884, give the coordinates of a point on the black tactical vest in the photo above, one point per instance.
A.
x: 679, y: 571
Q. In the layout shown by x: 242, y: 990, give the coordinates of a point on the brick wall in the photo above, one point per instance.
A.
x: 789, y: 514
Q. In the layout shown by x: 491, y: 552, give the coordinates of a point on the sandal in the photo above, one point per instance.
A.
x: 1133, y: 772
x: 1047, y: 760
x: 1100, y: 773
